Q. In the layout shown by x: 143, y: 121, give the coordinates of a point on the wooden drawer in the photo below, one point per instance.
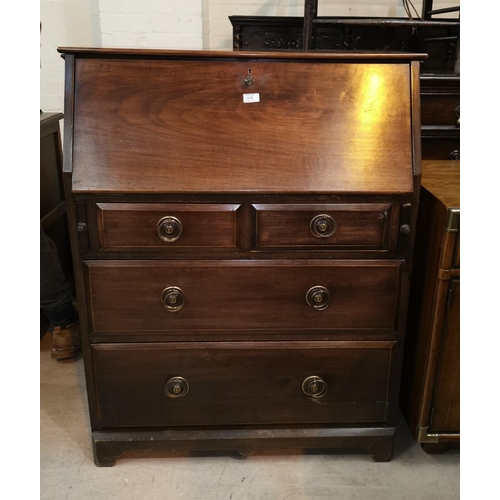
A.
x: 342, y: 226
x: 435, y: 147
x: 242, y: 295
x: 143, y: 226
x: 240, y: 383
x: 439, y: 109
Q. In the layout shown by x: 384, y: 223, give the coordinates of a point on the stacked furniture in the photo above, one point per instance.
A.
x: 242, y: 228
x: 440, y: 82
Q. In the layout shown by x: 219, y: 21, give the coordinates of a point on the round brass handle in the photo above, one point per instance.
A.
x: 173, y: 298
x: 314, y: 387
x: 169, y: 229
x: 176, y: 387
x: 318, y: 297
x: 323, y: 226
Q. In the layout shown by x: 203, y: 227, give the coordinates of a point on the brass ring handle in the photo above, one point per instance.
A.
x: 169, y: 229
x: 322, y: 226
x: 457, y: 114
x: 176, y: 387
x: 318, y: 297
x: 314, y: 387
x: 173, y: 298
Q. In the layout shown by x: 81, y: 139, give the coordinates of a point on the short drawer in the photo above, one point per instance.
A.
x: 143, y: 226
x: 193, y: 296
x: 211, y: 383
x: 343, y: 226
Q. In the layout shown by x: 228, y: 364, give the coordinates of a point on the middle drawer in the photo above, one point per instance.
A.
x: 240, y: 295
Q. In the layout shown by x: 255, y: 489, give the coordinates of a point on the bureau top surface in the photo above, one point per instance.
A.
x: 229, y: 54
x: 442, y: 179
x: 210, y: 122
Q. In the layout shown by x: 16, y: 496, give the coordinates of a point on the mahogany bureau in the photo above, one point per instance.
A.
x: 242, y: 232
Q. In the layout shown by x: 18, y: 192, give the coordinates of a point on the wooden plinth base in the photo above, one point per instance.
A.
x: 109, y: 445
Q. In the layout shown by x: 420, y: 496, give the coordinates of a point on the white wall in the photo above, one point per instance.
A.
x: 111, y: 23
x: 64, y: 23
x: 182, y: 24
x: 163, y: 24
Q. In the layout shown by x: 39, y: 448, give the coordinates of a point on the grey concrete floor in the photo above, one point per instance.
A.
x: 67, y: 470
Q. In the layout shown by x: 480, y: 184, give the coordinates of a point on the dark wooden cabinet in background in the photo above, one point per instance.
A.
x: 52, y: 204
x: 439, y: 86
x: 242, y: 228
x: 430, y: 392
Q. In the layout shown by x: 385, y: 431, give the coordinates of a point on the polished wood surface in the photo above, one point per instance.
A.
x: 315, y: 125
x: 125, y: 295
x: 395, y: 56
x: 133, y: 226
x: 439, y: 110
x: 355, y: 226
x: 442, y: 179
x: 241, y: 383
x: 446, y: 407
x: 150, y: 130
x: 430, y: 388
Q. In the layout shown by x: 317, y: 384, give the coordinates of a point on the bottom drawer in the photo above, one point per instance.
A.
x: 236, y: 383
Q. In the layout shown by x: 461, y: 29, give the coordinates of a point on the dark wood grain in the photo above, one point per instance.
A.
x: 74, y: 236
x: 241, y: 383
x: 110, y: 445
x: 439, y: 109
x: 442, y: 179
x: 446, y: 405
x: 357, y: 226
x: 432, y: 351
x: 168, y: 129
x: 125, y: 295
x: 456, y: 257
x: 312, y: 131
x: 133, y: 226
x: 440, y: 144
x: 227, y: 54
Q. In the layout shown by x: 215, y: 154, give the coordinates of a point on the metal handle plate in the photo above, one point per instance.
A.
x: 169, y: 229
x: 314, y: 387
x: 318, y: 297
x: 173, y: 298
x: 323, y: 226
x: 176, y: 387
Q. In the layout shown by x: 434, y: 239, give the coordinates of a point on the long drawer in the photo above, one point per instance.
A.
x: 242, y: 295
x: 232, y: 383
